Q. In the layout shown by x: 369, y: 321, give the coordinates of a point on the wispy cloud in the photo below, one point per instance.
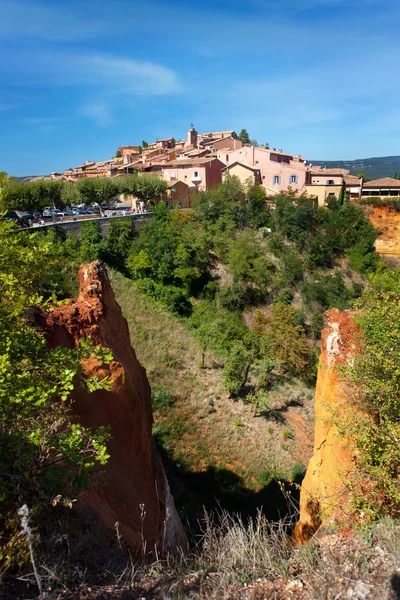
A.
x: 46, y: 21
x: 40, y: 120
x: 114, y: 74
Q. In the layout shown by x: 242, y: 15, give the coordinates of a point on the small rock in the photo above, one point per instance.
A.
x: 361, y: 590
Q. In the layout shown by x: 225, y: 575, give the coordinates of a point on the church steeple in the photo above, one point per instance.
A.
x: 191, y: 141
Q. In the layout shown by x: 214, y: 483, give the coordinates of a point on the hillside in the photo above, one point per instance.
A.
x: 374, y: 168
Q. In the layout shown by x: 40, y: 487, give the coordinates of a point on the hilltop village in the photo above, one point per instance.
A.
x: 203, y: 160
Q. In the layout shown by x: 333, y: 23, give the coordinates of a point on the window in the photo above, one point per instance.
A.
x: 293, y: 179
x: 256, y: 162
x: 330, y: 182
x: 195, y: 174
x: 173, y: 175
x: 276, y: 179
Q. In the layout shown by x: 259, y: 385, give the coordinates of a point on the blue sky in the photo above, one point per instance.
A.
x: 80, y: 78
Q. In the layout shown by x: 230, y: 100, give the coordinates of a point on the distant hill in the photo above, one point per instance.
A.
x: 374, y: 168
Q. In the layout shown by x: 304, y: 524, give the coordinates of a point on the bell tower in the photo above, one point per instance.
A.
x: 191, y: 141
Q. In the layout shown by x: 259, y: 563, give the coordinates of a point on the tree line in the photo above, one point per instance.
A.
x: 27, y: 195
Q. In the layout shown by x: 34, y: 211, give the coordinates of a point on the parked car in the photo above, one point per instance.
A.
x: 23, y: 219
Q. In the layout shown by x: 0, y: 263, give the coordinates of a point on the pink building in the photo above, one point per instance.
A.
x: 279, y: 171
x: 228, y: 143
x: 199, y: 174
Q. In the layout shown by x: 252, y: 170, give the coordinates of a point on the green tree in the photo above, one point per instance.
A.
x: 283, y: 339
x: 236, y: 368
x: 244, y: 136
x: 93, y: 245
x: 43, y: 452
x: 120, y: 236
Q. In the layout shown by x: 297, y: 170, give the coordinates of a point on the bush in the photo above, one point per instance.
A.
x: 173, y: 298
x: 373, y: 427
x: 161, y: 398
x: 236, y: 369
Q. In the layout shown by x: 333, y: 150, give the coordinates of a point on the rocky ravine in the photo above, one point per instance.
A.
x: 323, y: 494
x: 133, y: 490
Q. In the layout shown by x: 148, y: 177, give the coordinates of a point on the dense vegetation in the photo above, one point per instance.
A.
x: 374, y: 423
x: 43, y: 455
x: 233, y: 254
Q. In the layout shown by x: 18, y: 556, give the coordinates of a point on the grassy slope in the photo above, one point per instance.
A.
x: 212, y: 444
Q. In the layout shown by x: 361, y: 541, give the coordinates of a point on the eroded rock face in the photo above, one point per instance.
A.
x: 133, y: 490
x: 387, y: 222
x: 323, y: 494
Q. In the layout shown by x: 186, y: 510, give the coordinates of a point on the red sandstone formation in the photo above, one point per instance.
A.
x: 323, y: 493
x: 134, y: 490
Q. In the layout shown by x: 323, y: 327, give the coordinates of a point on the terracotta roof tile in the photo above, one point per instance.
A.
x: 383, y: 182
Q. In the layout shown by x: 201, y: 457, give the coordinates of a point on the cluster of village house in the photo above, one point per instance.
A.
x: 203, y: 160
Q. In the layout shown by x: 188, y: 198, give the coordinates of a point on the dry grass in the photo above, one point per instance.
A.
x: 205, y: 431
x: 234, y: 560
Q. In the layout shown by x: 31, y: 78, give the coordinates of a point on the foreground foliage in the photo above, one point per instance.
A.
x: 43, y: 454
x: 374, y: 427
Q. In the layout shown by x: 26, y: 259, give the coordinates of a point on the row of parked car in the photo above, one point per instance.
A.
x: 28, y: 218
x: 71, y: 211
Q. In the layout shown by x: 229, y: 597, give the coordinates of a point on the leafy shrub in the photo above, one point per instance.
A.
x: 236, y: 369
x: 172, y: 297
x: 161, y: 398
x: 373, y: 427
x: 43, y: 453
x: 327, y: 292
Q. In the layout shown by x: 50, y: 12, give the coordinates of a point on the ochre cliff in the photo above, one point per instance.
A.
x: 133, y: 489
x: 387, y: 222
x: 323, y: 494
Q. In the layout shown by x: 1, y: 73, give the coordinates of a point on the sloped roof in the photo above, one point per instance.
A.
x: 352, y: 179
x: 182, y: 162
x: 325, y: 171
x: 250, y: 168
x: 383, y: 182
